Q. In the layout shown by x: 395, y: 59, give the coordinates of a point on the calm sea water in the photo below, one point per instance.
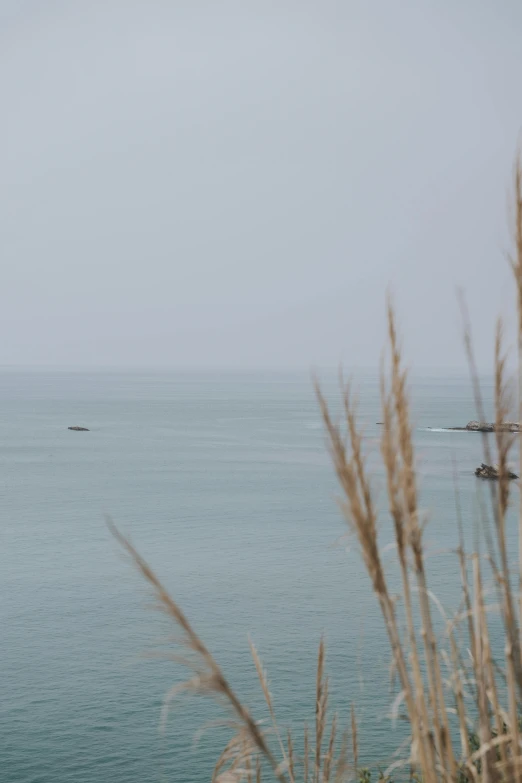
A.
x: 224, y: 485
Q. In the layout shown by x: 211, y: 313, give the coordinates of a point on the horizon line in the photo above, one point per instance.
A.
x: 186, y: 368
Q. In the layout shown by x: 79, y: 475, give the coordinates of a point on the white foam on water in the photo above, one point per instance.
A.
x: 439, y: 429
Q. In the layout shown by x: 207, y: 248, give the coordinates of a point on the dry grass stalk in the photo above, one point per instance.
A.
x: 263, y: 679
x: 397, y: 448
x: 306, y: 754
x: 355, y: 749
x: 341, y: 765
x: 415, y: 531
x: 291, y: 761
x: 399, y: 508
x: 248, y: 765
x: 208, y: 677
x: 461, y: 553
x: 237, y: 752
x: 516, y: 265
x: 504, y: 442
x: 329, y: 758
x: 458, y: 690
x: 361, y: 517
x: 248, y: 746
x: 480, y: 664
x: 321, y: 703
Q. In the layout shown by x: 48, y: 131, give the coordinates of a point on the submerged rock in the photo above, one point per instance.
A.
x: 78, y: 429
x: 491, y: 472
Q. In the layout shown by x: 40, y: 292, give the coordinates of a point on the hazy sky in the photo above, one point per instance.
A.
x: 237, y: 183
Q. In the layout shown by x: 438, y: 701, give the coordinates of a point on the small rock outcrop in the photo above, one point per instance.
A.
x: 483, y: 426
x: 491, y: 472
x: 78, y: 429
x: 477, y: 426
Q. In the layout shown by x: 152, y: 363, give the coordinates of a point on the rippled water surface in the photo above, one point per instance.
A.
x: 223, y: 483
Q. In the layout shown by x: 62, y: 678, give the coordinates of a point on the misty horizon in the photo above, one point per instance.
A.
x: 193, y: 186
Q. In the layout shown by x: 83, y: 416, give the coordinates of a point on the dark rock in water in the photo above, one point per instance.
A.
x: 477, y: 426
x: 491, y: 472
x: 483, y: 426
x: 78, y: 429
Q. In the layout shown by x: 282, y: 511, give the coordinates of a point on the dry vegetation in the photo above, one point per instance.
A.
x: 463, y: 728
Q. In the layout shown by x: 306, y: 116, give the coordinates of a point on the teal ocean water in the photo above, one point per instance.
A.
x: 223, y: 482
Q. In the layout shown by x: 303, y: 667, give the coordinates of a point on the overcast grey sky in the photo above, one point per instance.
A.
x: 237, y: 183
